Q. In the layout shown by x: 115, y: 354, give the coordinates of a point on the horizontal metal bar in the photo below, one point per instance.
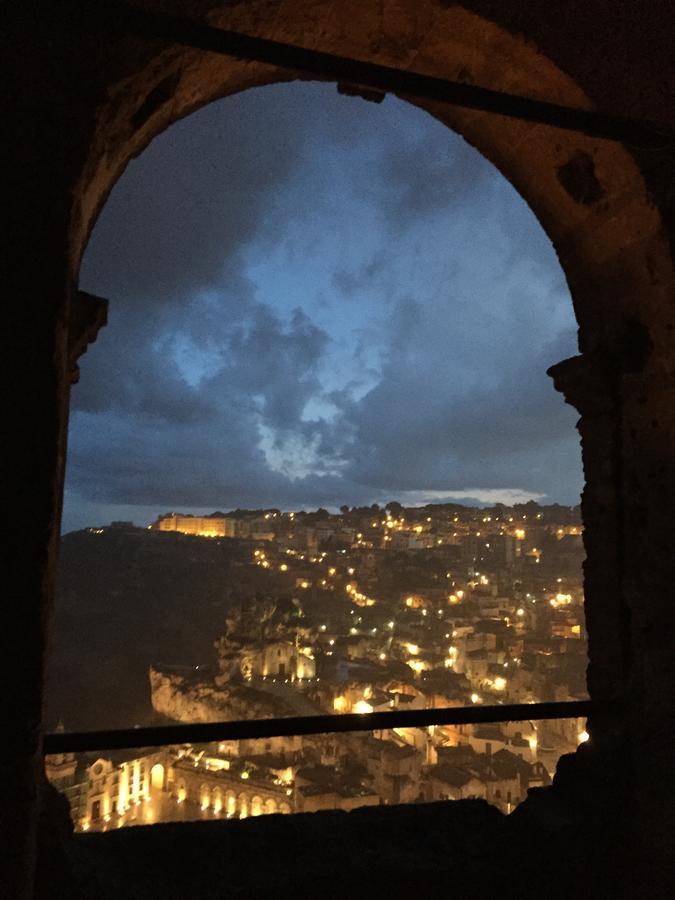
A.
x: 187, y: 32
x: 204, y: 733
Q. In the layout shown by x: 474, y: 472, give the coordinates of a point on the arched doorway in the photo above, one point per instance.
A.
x: 204, y: 797
x: 181, y: 791
x: 157, y: 777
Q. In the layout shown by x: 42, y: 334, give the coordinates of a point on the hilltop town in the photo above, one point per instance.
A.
x: 368, y: 609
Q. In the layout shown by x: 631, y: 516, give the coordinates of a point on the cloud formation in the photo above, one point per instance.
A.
x: 316, y: 301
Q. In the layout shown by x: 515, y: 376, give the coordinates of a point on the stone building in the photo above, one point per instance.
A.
x: 203, y: 526
x: 231, y: 792
x: 449, y: 783
x: 86, y: 93
x: 394, y: 769
x: 118, y: 790
x: 68, y: 777
x: 279, y: 659
x: 325, y: 787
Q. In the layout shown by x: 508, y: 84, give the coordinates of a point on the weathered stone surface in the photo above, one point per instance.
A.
x: 185, y: 700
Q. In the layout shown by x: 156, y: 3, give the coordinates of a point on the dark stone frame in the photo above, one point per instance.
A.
x: 73, y: 113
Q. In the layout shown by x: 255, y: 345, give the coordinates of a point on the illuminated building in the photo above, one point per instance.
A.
x: 283, y: 659
x: 202, y: 526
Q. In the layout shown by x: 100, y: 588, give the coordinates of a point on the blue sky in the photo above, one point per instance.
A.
x: 316, y: 300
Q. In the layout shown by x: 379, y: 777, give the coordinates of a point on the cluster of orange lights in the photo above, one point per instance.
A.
x: 357, y: 597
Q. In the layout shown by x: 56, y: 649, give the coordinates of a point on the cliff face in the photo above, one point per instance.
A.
x: 128, y: 598
x: 186, y: 699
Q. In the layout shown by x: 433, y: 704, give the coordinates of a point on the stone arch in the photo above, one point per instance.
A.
x: 157, y: 776
x: 76, y: 140
x: 204, y: 796
x: 270, y: 806
x: 244, y: 806
x: 256, y: 805
x: 217, y: 800
x: 588, y: 194
x: 230, y: 804
x: 284, y: 809
x: 591, y: 199
x: 180, y: 790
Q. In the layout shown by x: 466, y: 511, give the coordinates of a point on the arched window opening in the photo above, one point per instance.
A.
x: 204, y: 797
x: 157, y: 777
x: 319, y: 430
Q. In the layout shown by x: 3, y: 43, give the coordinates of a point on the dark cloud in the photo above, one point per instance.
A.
x: 197, y: 195
x: 352, y: 282
x: 412, y: 366
x: 158, y: 436
x: 275, y: 364
x: 417, y: 430
x: 422, y: 175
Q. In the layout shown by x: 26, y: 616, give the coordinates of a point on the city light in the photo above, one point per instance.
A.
x: 462, y: 611
x: 417, y: 665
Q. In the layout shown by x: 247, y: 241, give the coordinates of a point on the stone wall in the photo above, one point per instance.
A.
x: 79, y: 104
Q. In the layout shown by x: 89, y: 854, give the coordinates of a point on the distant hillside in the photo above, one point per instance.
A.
x: 128, y: 598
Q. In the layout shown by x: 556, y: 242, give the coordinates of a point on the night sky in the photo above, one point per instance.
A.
x: 316, y: 300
